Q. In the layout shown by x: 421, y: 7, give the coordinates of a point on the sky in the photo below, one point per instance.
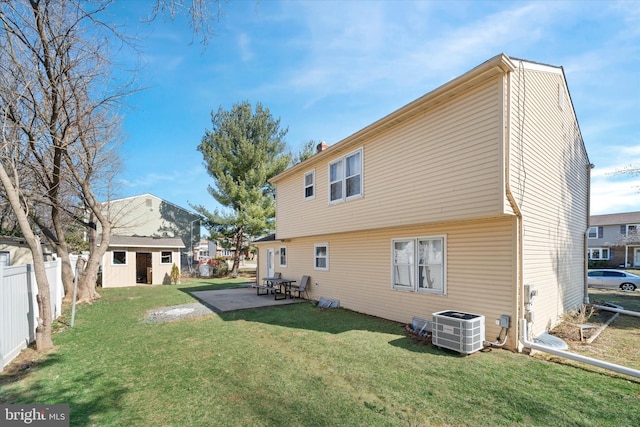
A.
x: 327, y: 69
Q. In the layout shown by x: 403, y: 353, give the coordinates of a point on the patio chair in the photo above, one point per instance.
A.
x: 301, y: 288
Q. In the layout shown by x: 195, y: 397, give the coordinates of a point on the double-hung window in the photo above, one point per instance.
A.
x: 595, y: 232
x: 309, y: 185
x: 345, y: 177
x: 419, y: 264
x: 283, y: 256
x: 321, y: 256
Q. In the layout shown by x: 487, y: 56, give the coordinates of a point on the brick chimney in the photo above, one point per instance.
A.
x: 322, y: 146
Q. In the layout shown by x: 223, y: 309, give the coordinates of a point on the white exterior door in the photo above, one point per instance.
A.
x: 636, y: 257
x: 271, y: 263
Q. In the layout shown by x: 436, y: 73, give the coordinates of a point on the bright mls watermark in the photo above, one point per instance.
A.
x: 34, y: 415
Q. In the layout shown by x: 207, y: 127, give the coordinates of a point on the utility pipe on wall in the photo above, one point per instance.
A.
x: 573, y: 356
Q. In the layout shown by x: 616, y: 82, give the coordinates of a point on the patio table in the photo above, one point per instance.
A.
x: 278, y: 285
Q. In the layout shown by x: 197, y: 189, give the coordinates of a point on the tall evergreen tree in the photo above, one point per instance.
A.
x: 242, y: 151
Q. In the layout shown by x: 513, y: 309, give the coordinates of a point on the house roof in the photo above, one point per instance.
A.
x: 615, y: 219
x: 269, y: 238
x: 499, y: 64
x: 145, y: 242
x: 155, y: 197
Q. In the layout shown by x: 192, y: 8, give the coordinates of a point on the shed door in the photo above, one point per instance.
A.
x: 143, y: 268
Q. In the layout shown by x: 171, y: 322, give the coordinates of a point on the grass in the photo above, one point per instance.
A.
x: 296, y: 365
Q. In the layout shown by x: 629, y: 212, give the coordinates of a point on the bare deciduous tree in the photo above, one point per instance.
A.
x: 56, y: 121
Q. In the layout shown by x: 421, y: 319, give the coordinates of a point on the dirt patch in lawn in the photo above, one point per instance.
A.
x: 176, y: 312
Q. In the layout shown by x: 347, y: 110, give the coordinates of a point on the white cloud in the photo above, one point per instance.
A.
x: 613, y: 194
x: 244, y: 46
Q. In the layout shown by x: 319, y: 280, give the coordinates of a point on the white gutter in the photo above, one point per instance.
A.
x: 573, y: 356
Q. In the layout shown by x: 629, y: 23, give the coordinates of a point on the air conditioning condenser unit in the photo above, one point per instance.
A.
x: 458, y: 331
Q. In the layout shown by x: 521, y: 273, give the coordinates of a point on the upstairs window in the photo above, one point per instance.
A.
x: 632, y: 229
x: 345, y: 177
x: 309, y: 185
x: 595, y: 232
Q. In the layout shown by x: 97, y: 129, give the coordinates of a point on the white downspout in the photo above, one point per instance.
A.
x: 514, y: 205
x: 586, y: 235
x: 595, y: 362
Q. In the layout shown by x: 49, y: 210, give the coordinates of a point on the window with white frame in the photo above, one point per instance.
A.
x: 321, y: 256
x: 283, y: 256
x: 5, y: 258
x: 599, y: 253
x: 166, y: 257
x: 419, y: 264
x: 310, y: 185
x: 594, y: 232
x: 345, y: 177
x: 632, y: 229
x: 119, y: 258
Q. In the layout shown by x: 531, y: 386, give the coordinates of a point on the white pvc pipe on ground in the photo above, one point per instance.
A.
x: 617, y: 310
x: 573, y: 356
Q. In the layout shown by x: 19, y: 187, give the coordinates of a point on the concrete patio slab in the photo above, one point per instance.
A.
x: 224, y: 300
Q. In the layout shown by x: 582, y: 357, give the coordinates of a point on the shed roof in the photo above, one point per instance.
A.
x: 145, y: 242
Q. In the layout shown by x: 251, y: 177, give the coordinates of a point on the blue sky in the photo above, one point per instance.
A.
x: 328, y: 69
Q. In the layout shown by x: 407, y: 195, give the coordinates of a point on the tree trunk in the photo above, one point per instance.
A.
x: 87, y: 292
x: 68, y: 276
x: 236, y: 253
x: 43, y: 329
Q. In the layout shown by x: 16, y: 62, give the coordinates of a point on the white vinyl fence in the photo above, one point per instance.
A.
x: 19, y: 308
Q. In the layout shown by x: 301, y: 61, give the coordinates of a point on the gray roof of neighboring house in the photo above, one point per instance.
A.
x: 269, y: 238
x: 615, y: 219
x: 146, y: 242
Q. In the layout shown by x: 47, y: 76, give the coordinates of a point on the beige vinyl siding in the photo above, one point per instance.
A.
x: 549, y: 179
x: 444, y: 164
x: 480, y: 271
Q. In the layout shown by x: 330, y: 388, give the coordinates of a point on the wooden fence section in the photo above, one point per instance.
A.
x: 19, y: 308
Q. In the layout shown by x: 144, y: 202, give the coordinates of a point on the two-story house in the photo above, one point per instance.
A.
x: 614, y: 240
x: 148, y: 236
x: 473, y: 198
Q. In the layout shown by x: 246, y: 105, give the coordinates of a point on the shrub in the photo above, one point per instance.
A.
x: 218, y: 267
x: 175, y: 274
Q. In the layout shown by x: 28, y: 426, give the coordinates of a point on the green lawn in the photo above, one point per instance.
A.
x: 297, y: 365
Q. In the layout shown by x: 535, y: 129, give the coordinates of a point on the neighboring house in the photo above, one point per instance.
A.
x: 16, y: 251
x: 205, y: 250
x: 468, y: 199
x: 130, y: 260
x: 614, y: 240
x: 150, y: 216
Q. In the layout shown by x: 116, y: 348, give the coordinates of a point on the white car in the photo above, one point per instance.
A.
x: 613, y: 279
